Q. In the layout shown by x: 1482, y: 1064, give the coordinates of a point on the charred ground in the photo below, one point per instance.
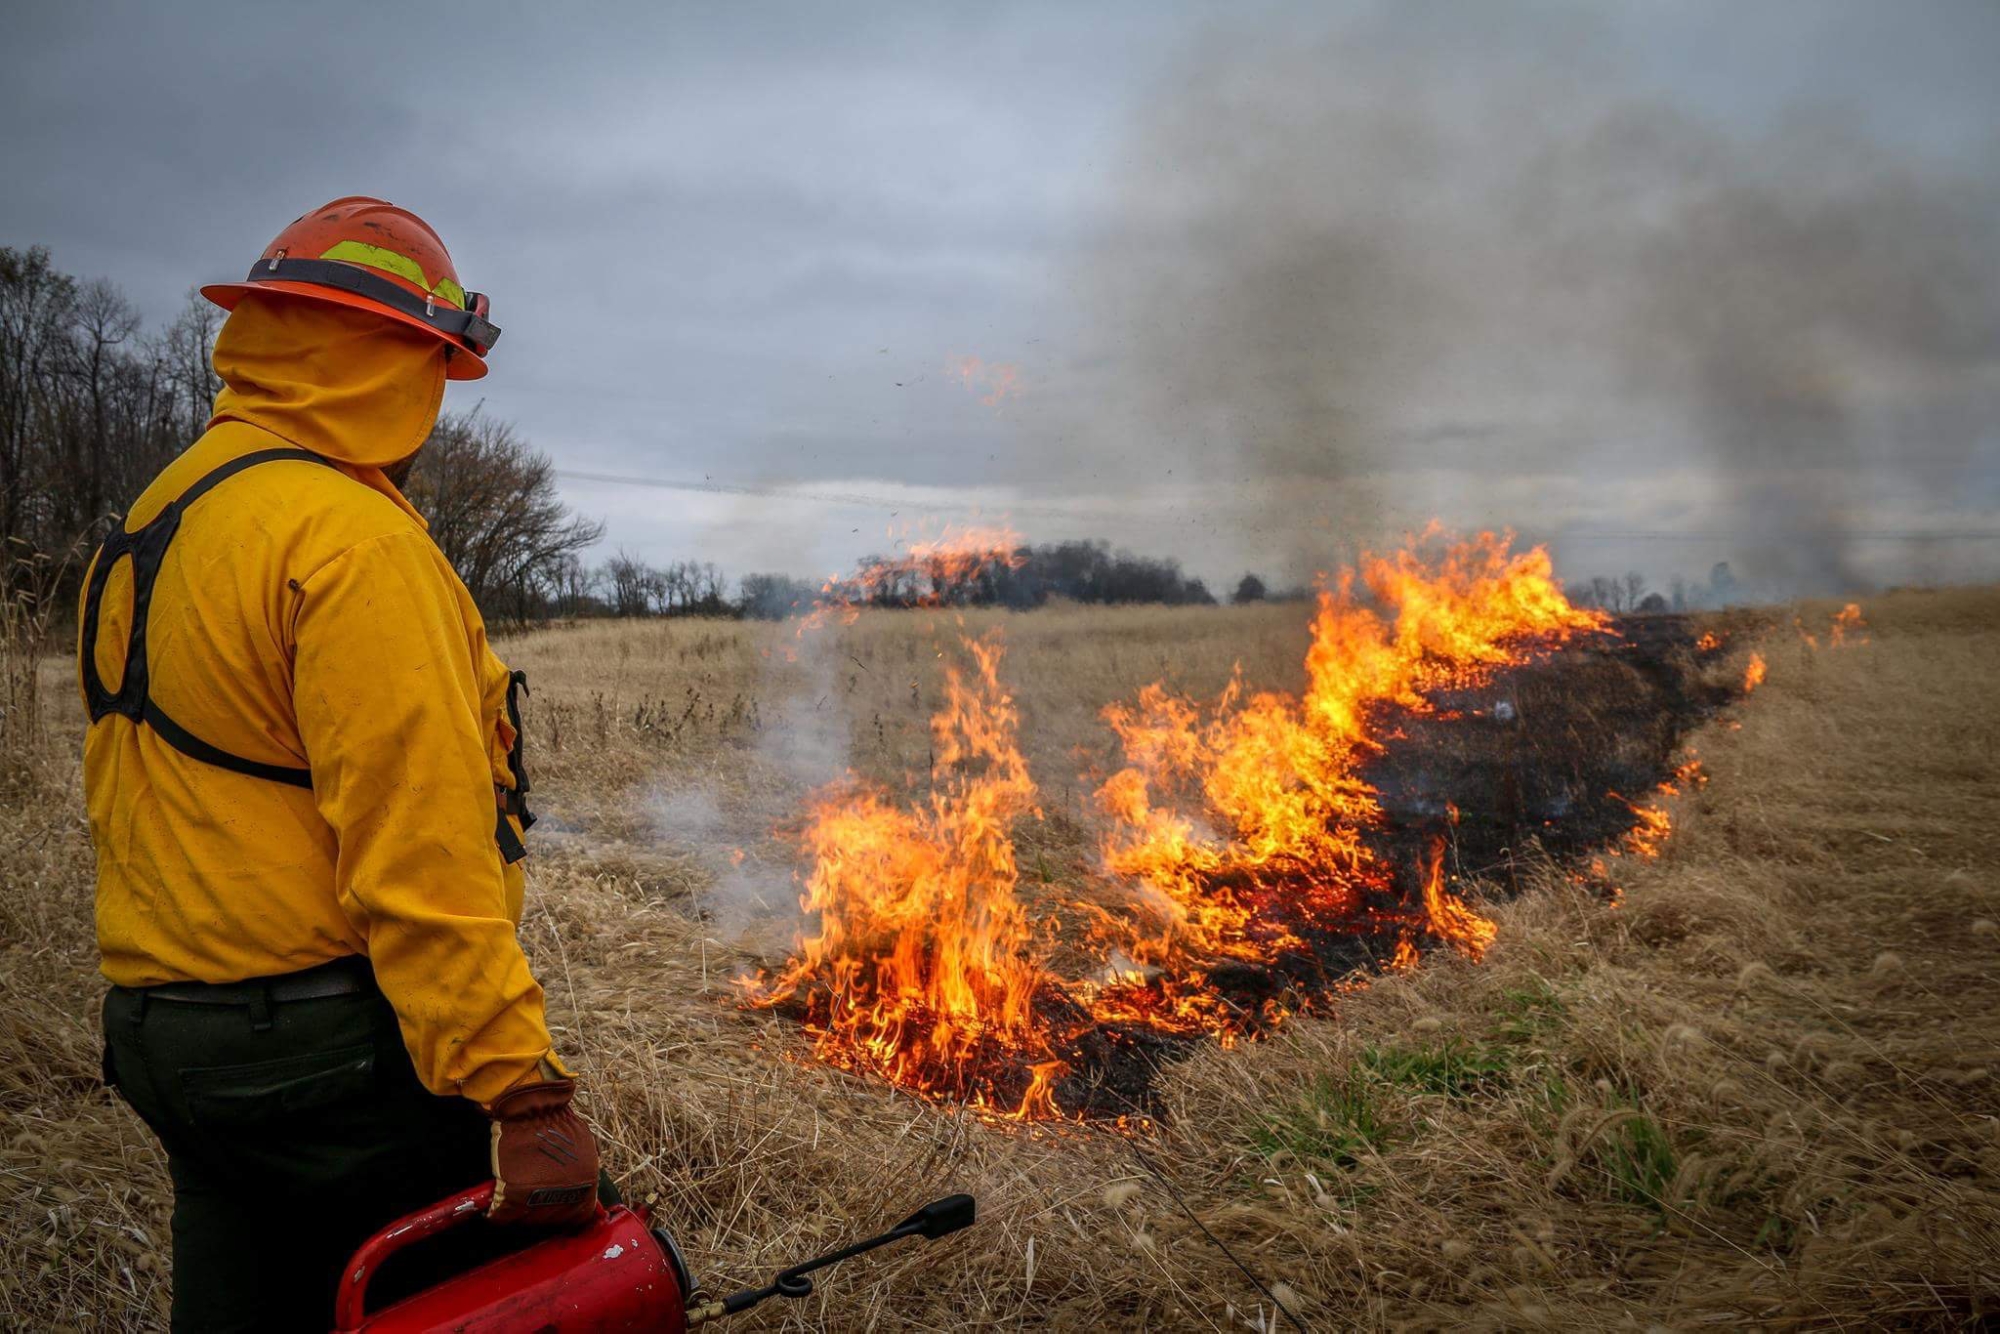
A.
x: 1539, y: 766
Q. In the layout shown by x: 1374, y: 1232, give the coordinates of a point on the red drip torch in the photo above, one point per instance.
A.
x: 616, y: 1274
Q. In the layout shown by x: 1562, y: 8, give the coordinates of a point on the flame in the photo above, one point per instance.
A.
x: 930, y: 572
x: 997, y: 378
x: 1846, y: 627
x: 1448, y: 917
x: 923, y: 969
x: 1708, y: 643
x: 1753, y: 675
x: 1282, y: 773
x: 1847, y: 621
x: 1238, y: 824
x: 1645, y: 838
x: 1654, y: 825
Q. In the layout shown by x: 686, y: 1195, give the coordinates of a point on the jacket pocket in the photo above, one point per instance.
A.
x: 236, y: 1096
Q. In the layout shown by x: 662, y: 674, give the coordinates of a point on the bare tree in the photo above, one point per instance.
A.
x: 104, y: 322
x: 630, y: 581
x: 186, y: 356
x: 495, y: 512
x: 1635, y: 589
x: 35, y: 307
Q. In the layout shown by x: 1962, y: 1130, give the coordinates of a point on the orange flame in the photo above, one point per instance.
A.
x: 1240, y: 823
x: 1281, y: 773
x: 1645, y: 838
x: 1847, y: 627
x: 930, y: 572
x: 1847, y: 621
x: 922, y: 970
x: 1447, y: 915
x: 1753, y: 675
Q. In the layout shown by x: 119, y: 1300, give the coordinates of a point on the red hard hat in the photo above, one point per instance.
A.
x: 370, y: 255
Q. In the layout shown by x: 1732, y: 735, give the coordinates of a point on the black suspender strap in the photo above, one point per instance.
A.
x: 516, y: 799
x: 147, y: 548
x: 512, y: 849
x: 192, y: 746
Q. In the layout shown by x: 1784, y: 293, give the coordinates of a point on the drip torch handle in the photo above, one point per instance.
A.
x: 939, y: 1218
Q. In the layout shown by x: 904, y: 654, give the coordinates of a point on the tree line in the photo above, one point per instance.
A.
x: 1029, y: 576
x: 1631, y: 593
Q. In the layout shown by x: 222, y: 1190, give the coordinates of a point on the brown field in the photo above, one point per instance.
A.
x: 1762, y: 1090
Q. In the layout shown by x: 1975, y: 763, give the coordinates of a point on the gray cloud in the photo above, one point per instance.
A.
x: 1339, y: 268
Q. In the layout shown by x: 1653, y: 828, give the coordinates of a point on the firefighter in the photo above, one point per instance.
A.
x: 304, y: 779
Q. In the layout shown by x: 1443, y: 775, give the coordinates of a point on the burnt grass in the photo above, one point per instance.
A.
x: 1536, y: 766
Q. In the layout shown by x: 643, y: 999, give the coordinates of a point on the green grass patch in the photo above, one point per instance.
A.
x: 1338, y: 1117
x: 1334, y: 1123
x: 1454, y: 1067
x: 1530, y: 1011
x: 1641, y: 1160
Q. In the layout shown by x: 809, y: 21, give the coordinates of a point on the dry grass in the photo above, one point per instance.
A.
x: 1761, y: 1091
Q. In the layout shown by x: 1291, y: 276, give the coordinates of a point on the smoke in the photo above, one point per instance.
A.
x: 1422, y: 266
x: 802, y: 745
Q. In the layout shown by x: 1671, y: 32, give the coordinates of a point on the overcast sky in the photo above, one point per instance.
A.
x: 1664, y: 283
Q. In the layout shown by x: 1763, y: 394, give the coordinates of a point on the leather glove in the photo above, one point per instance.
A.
x: 544, y: 1159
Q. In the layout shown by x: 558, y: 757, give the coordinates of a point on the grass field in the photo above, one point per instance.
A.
x: 1761, y: 1090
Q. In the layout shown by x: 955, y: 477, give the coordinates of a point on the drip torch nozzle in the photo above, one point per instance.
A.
x: 939, y: 1218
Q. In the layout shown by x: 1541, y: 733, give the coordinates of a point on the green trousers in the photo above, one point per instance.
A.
x: 293, y: 1131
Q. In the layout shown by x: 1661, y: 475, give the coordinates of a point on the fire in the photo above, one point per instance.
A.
x: 1448, y: 917
x: 1847, y: 621
x: 1281, y: 775
x: 923, y: 969
x: 1241, y: 830
x: 1847, y: 627
x: 931, y: 572
x: 1645, y: 838
x: 1708, y: 643
x: 1653, y: 822
x: 1753, y: 675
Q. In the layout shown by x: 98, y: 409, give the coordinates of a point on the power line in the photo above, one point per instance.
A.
x: 863, y: 500
x: 772, y: 492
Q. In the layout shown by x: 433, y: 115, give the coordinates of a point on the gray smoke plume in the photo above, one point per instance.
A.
x: 1444, y: 251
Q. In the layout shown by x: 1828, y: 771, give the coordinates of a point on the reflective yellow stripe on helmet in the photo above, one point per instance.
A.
x: 375, y: 257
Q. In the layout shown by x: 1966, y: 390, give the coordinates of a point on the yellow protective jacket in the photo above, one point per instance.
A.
x: 302, y: 617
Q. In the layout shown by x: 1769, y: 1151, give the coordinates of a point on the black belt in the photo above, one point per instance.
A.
x: 343, y: 977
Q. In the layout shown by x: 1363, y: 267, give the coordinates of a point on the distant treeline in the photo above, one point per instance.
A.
x: 1029, y: 576
x: 90, y: 408
x: 1632, y: 594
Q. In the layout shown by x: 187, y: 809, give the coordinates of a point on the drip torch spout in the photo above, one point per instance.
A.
x: 939, y: 1218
